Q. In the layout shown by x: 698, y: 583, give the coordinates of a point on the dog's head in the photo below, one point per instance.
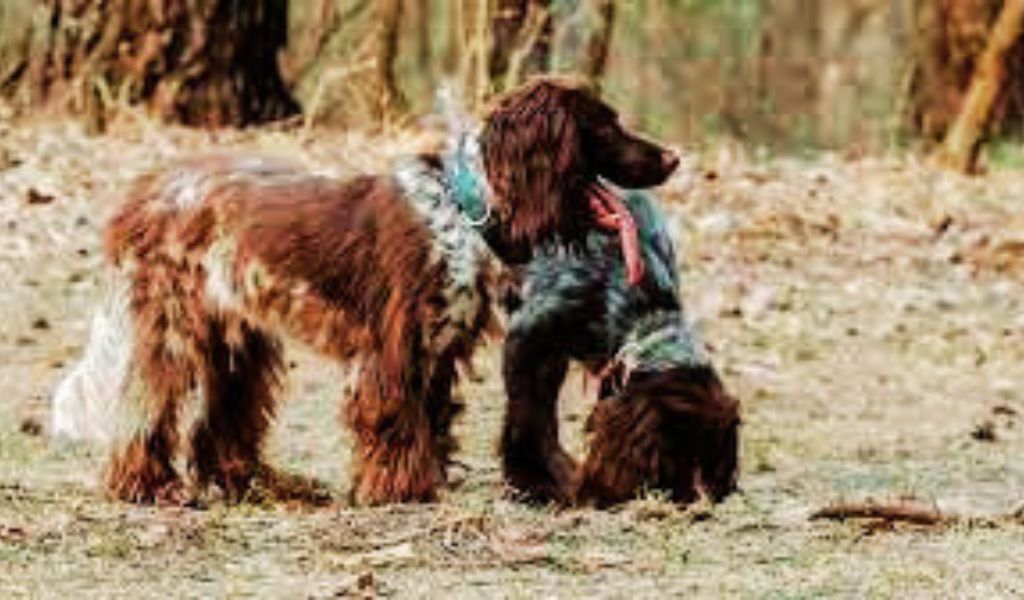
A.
x: 545, y: 143
x: 699, y: 428
x: 673, y: 429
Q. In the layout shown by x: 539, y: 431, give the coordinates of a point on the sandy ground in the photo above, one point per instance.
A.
x: 867, y: 311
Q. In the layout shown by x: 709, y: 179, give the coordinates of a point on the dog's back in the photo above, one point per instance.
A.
x: 584, y: 295
x: 287, y: 247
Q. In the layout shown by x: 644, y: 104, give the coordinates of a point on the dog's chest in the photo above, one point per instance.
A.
x: 456, y: 244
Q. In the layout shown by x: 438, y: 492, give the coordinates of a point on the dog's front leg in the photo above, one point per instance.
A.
x: 396, y: 455
x: 533, y: 460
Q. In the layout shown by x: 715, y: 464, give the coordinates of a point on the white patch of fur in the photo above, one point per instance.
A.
x: 86, y: 403
x: 183, y: 188
x: 188, y: 185
x: 221, y: 293
x: 460, y: 246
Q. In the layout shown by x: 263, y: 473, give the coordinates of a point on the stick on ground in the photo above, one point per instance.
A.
x: 907, y: 512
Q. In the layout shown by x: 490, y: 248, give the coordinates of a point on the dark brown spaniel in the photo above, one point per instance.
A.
x: 213, y: 259
x: 662, y: 420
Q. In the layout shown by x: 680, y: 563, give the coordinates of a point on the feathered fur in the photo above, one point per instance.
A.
x: 219, y: 257
x: 662, y: 420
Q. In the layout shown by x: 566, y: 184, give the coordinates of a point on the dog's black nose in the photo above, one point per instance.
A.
x: 669, y: 161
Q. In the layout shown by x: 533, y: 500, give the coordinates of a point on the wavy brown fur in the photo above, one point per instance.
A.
x: 346, y: 267
x: 545, y: 143
x: 226, y: 254
x: 662, y: 420
x: 672, y: 430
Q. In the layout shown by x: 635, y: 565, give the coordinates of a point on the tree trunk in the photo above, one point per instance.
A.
x: 960, y: 148
x: 390, y: 98
x: 521, y: 45
x: 455, y: 48
x: 199, y: 62
x: 321, y: 23
x: 953, y: 34
x: 422, y: 10
x: 790, y: 44
x: 595, y: 61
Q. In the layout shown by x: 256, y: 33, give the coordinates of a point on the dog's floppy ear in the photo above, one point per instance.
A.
x: 719, y: 455
x: 531, y: 151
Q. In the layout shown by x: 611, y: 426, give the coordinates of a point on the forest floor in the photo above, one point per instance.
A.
x: 868, y: 311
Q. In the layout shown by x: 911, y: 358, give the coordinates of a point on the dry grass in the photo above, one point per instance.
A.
x: 868, y: 312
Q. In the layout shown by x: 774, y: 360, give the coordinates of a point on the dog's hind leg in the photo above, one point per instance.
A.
x: 240, y: 382
x: 141, y: 467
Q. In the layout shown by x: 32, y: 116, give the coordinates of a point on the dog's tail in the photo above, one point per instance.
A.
x: 87, y: 404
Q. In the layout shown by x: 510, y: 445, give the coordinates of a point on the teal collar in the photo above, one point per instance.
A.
x: 467, y: 180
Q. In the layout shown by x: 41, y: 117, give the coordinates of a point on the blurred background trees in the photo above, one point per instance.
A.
x: 783, y: 74
x: 199, y: 62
